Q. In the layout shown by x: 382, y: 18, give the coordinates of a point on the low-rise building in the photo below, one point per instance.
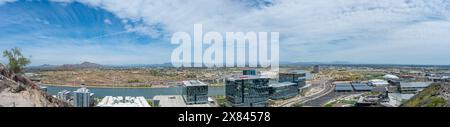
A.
x: 302, y: 91
x: 64, y: 95
x: 391, y: 77
x: 175, y: 101
x: 343, y: 87
x: 378, y: 82
x: 371, y: 100
x: 247, y: 91
x: 283, y: 90
x: 120, y: 101
x: 394, y: 82
x: 413, y: 87
x: 360, y: 87
x: 352, y: 87
x: 439, y: 79
x: 295, y: 76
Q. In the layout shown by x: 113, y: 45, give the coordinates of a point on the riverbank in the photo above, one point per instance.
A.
x: 146, y: 92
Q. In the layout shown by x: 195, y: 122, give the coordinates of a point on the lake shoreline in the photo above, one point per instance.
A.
x: 132, y: 87
x: 146, y: 92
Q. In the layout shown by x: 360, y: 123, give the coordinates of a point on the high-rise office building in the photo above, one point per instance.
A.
x: 82, y: 97
x: 247, y: 91
x: 195, y: 92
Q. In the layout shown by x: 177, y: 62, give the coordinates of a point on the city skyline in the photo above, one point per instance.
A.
x: 138, y: 32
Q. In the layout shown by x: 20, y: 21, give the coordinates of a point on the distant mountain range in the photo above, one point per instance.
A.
x: 95, y: 65
x: 68, y: 66
x: 85, y: 65
x: 284, y: 63
x: 82, y: 65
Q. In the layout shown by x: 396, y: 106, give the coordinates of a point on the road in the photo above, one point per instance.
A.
x: 318, y: 102
x: 325, y: 88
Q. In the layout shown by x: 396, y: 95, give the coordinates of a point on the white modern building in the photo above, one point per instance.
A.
x: 390, y: 77
x: 378, y: 82
x: 120, y: 101
x: 64, y: 95
x: 177, y: 101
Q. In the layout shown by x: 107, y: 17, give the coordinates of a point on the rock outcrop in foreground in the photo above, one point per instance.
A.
x: 18, y: 91
x: 437, y: 95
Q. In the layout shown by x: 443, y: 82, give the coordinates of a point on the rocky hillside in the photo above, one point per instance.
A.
x: 18, y: 91
x: 437, y: 95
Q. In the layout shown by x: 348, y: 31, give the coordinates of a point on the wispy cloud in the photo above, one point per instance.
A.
x: 366, y: 31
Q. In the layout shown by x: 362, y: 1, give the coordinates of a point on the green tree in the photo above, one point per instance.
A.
x: 16, y: 61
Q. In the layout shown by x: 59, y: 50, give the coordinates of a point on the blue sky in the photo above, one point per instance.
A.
x: 116, y: 32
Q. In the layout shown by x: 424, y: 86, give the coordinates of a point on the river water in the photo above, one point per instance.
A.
x: 146, y: 92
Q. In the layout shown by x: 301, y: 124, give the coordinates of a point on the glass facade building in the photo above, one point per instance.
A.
x: 249, y: 72
x: 298, y: 77
x: 283, y: 90
x: 195, y: 92
x: 247, y: 91
x: 82, y: 97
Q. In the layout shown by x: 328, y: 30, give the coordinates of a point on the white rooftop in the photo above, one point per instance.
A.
x: 378, y: 82
x: 175, y: 101
x: 415, y: 84
x: 282, y: 84
x: 83, y: 89
x: 193, y: 83
x: 121, y: 101
x: 246, y: 77
x: 389, y: 76
x: 297, y: 72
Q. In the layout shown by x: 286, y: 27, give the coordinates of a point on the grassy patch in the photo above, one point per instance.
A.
x: 437, y: 102
x: 150, y: 102
x: 340, y: 102
x: 427, y: 98
x: 220, y: 100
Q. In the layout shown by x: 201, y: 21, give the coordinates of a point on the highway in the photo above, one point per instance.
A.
x: 325, y: 88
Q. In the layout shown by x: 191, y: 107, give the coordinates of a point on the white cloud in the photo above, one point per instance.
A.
x: 6, y: 1
x: 422, y: 43
x: 107, y: 21
x: 303, y: 20
x: 311, y: 30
